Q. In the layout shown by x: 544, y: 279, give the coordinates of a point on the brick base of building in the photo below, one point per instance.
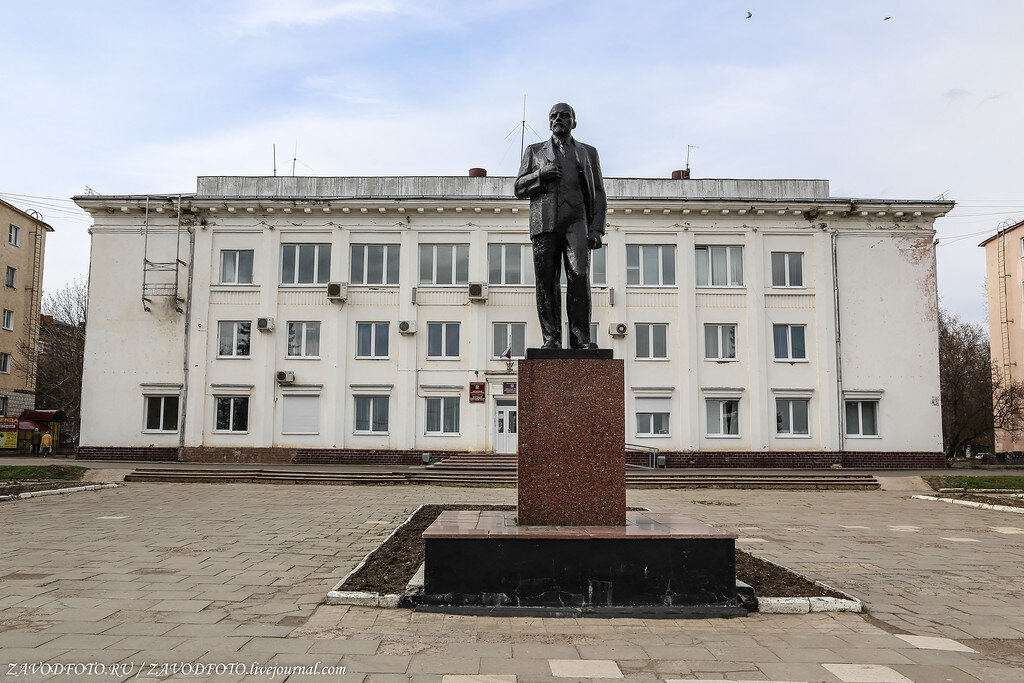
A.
x: 896, y: 460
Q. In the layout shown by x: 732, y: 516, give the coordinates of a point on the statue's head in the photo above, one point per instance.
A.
x: 561, y: 119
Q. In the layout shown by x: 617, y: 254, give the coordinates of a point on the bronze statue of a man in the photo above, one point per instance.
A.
x: 562, y: 178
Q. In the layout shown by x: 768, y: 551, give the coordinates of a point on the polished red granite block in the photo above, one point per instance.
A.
x: 572, y: 455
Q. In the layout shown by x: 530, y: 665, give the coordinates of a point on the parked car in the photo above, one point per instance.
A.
x: 67, y: 440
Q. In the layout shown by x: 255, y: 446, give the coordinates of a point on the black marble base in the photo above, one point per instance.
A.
x: 637, y: 612
x: 567, y: 353
x: 580, y: 572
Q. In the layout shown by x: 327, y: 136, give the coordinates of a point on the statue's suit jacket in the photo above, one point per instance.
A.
x: 543, y: 201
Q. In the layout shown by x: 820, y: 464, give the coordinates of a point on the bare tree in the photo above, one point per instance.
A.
x: 62, y: 337
x: 977, y: 397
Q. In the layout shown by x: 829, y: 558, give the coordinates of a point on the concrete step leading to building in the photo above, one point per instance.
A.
x: 646, y: 479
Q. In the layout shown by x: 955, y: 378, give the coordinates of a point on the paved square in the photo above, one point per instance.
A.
x: 208, y: 574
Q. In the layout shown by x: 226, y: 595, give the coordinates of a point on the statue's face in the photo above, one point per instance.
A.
x: 561, y: 119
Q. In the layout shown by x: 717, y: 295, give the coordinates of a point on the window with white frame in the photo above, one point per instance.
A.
x: 598, y: 269
x: 652, y: 416
x: 651, y: 265
x: 372, y: 340
x: 442, y: 340
x: 305, y: 264
x: 8, y: 319
x: 12, y: 277
x: 233, y: 338
x: 231, y: 414
x: 300, y: 414
x: 791, y: 416
x: 444, y: 264
x: 5, y: 362
x: 372, y: 414
x: 719, y: 341
x: 236, y: 266
x: 304, y: 339
x: 162, y: 413
x: 862, y: 418
x: 509, y: 335
x: 652, y: 341
x: 14, y: 235
x: 442, y: 415
x: 719, y: 266
x: 723, y: 416
x: 374, y: 264
x: 790, y: 343
x: 787, y: 269
x: 509, y: 264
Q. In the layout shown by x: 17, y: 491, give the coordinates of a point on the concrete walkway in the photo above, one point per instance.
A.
x: 199, y: 573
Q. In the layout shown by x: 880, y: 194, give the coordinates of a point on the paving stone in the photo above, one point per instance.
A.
x: 584, y: 668
x: 866, y: 673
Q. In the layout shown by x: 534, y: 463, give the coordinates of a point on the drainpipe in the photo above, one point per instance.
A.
x: 188, y: 326
x: 839, y: 343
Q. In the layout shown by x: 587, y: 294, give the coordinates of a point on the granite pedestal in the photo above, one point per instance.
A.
x: 572, y: 444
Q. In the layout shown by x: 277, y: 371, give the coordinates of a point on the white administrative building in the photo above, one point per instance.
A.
x: 363, y: 319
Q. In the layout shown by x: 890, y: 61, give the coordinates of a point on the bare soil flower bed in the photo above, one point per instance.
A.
x: 13, y: 488
x: 390, y: 567
x: 1008, y: 501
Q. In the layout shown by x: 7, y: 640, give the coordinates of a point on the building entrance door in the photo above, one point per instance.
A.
x: 506, y: 426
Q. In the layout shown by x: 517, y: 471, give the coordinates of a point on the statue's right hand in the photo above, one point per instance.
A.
x: 551, y: 172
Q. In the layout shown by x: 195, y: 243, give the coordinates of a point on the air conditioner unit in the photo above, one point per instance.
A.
x: 477, y: 291
x: 407, y: 327
x: 285, y: 377
x: 337, y: 291
x: 264, y: 324
x: 618, y: 329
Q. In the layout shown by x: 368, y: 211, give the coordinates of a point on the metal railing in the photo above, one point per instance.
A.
x: 652, y: 454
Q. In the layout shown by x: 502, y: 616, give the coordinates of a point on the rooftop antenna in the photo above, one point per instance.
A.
x: 522, y: 134
x: 294, y: 160
x: 275, y: 158
x: 688, y: 148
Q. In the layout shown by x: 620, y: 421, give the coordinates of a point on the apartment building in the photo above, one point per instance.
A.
x: 365, y: 319
x: 22, y: 249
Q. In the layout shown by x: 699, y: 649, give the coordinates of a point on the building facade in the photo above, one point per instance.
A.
x: 1004, y: 285
x: 22, y: 250
x: 762, y: 322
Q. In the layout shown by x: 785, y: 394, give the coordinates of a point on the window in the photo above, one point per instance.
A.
x: 652, y: 416
x: 650, y: 265
x: 305, y: 264
x: 791, y: 416
x: 372, y: 414
x: 509, y: 335
x: 598, y: 269
x: 789, y: 342
x: 3, y: 406
x: 12, y: 277
x: 652, y: 341
x: 787, y: 269
x: 372, y: 340
x: 232, y: 414
x: 162, y: 413
x: 593, y: 332
x: 300, y: 414
x: 8, y: 319
x: 236, y: 265
x: 303, y: 339
x: 5, y: 362
x: 862, y: 418
x: 444, y: 264
x: 14, y: 235
x: 374, y: 264
x: 233, y: 339
x: 719, y: 266
x: 723, y: 417
x: 443, y: 340
x: 443, y: 415
x: 719, y: 342
x: 509, y: 264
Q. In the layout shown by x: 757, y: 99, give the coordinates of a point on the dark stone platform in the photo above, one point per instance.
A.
x: 483, y: 558
x: 549, y: 354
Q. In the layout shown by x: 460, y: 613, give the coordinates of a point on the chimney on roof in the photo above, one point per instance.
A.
x: 478, y: 173
x: 681, y: 175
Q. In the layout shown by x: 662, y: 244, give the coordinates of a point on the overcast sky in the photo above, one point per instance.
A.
x: 136, y: 97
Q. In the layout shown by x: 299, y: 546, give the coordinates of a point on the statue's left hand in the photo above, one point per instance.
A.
x: 594, y: 241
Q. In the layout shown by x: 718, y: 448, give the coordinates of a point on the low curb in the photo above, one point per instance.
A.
x: 972, y: 504
x: 808, y: 604
x: 54, y: 492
